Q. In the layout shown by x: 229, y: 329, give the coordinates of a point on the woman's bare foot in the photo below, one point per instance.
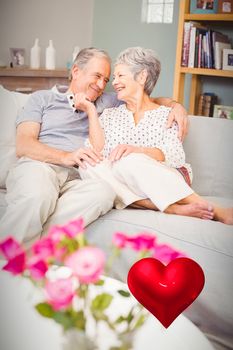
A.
x: 199, y: 210
x: 224, y: 215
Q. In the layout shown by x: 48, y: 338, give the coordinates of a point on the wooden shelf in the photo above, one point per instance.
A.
x: 196, y: 73
x: 27, y: 72
x: 29, y: 80
x: 208, y: 17
x: 205, y: 71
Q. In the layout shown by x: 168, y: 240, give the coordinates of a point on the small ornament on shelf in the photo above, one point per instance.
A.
x: 50, y: 56
x: 225, y: 6
x: 35, y: 55
x: 203, y: 6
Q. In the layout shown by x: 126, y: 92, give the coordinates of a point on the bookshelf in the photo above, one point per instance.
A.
x: 196, y: 73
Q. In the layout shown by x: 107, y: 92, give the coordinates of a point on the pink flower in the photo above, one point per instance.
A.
x: 14, y: 253
x: 166, y: 254
x: 71, y: 230
x: 142, y: 241
x: 10, y: 248
x: 37, y: 267
x: 44, y: 248
x: 60, y: 293
x: 87, y: 264
x: 120, y: 239
x: 16, y: 265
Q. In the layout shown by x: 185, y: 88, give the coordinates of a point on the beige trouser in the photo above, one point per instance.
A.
x: 138, y: 176
x: 40, y: 195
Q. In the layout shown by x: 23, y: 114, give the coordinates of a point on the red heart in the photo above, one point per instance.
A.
x: 166, y: 291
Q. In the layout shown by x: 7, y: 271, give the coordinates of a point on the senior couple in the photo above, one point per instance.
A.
x: 136, y: 141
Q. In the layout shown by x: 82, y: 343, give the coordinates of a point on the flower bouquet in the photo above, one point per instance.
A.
x: 70, y: 274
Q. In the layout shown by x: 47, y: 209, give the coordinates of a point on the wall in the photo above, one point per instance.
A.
x: 68, y: 23
x: 117, y: 25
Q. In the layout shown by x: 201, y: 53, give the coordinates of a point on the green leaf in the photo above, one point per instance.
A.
x: 101, y: 302
x: 45, y: 310
x: 80, y: 320
x: 82, y: 291
x: 99, y: 283
x: 64, y: 319
x: 120, y: 319
x: 124, y: 293
x: 140, y: 321
x: 130, y: 317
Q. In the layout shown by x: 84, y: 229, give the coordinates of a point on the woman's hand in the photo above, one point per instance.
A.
x: 179, y: 114
x: 122, y: 151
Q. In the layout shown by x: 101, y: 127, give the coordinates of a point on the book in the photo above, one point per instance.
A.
x: 206, y: 104
x: 192, y: 47
x: 193, y: 43
x: 186, y: 42
x: 198, y: 45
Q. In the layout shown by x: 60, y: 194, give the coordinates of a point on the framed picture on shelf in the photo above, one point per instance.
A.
x: 224, y: 112
x: 225, y: 6
x: 227, y: 59
x: 17, y: 57
x: 203, y: 6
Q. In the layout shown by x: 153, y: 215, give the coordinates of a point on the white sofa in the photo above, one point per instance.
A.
x: 209, y: 147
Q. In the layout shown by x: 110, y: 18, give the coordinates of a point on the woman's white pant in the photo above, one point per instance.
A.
x: 137, y: 177
x: 40, y: 195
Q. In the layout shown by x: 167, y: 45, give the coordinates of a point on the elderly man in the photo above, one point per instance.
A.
x: 44, y: 187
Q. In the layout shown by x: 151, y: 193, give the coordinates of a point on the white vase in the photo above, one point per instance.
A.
x: 50, y: 56
x: 35, y: 55
x: 75, y: 339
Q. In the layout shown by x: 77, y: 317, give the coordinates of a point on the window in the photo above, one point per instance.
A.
x: 157, y: 11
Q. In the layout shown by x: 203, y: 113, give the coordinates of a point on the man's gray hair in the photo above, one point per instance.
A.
x: 85, y: 55
x: 139, y: 59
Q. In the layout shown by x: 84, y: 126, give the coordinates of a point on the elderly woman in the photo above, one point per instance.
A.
x: 143, y: 160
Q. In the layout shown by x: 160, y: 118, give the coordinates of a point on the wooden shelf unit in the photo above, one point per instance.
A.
x: 29, y: 80
x: 196, y: 73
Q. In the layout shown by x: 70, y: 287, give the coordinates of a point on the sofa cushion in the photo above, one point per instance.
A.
x: 208, y: 148
x: 10, y: 103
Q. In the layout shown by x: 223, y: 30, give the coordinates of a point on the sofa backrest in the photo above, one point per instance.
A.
x: 10, y: 103
x: 209, y: 149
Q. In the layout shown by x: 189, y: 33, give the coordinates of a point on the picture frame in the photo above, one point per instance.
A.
x: 17, y: 57
x: 225, y: 6
x: 203, y: 6
x: 224, y: 112
x: 227, y: 59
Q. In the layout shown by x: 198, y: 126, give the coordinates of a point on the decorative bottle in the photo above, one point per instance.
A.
x: 50, y: 56
x: 35, y: 55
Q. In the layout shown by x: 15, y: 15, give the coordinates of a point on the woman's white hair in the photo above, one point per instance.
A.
x: 139, y: 59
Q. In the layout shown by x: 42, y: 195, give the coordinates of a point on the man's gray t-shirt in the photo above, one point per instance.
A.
x: 61, y: 126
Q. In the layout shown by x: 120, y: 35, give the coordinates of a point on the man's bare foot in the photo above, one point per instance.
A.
x: 199, y: 210
x: 224, y: 215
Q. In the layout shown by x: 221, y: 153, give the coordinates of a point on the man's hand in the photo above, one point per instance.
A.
x: 81, y: 156
x: 82, y: 102
x: 122, y: 151
x: 179, y: 114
